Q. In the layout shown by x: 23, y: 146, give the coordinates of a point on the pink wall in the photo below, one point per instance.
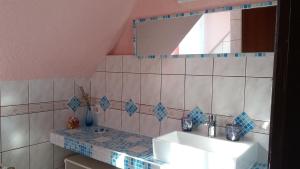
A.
x: 57, y: 38
x: 147, y: 8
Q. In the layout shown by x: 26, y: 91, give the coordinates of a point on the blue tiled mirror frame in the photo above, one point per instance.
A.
x: 135, y: 22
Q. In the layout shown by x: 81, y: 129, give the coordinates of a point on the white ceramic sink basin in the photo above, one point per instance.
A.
x: 190, y: 151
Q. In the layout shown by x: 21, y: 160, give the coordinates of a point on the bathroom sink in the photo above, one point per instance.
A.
x: 186, y: 150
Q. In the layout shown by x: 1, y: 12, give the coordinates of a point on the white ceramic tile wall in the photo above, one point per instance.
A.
x: 29, y: 111
x: 220, y: 85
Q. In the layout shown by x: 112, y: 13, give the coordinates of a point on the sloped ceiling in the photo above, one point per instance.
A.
x: 57, y: 38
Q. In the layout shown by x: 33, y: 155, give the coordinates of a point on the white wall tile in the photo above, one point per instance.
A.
x: 114, y: 63
x: 168, y: 125
x: 113, y: 119
x: 198, y: 92
x: 131, y: 87
x: 41, y: 156
x: 151, y: 65
x: 150, y: 89
x: 199, y: 65
x: 173, y: 66
x: 258, y: 98
x: 18, y: 158
x: 14, y: 93
x: 63, y: 89
x: 114, y: 86
x: 149, y: 125
x: 85, y: 83
x: 173, y: 91
x: 59, y: 155
x: 98, y: 84
x: 14, y: 132
x: 131, y: 123
x: 228, y: 95
x: 131, y: 64
x: 40, y: 91
x: 260, y: 66
x: 101, y: 64
x: 230, y: 66
x: 40, y: 126
x: 61, y: 118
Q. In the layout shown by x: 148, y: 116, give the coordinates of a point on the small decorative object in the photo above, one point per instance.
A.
x: 73, y: 123
x: 186, y: 124
x: 233, y: 132
x: 88, y: 114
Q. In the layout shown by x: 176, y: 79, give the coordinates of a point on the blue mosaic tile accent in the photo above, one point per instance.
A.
x: 104, y: 103
x: 114, y: 157
x: 74, y: 103
x: 130, y: 107
x: 160, y: 111
x: 197, y: 117
x: 260, y: 54
x: 245, y: 122
x: 260, y: 166
x: 131, y: 163
x: 78, y: 147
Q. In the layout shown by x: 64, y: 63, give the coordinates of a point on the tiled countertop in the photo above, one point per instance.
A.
x: 119, y: 148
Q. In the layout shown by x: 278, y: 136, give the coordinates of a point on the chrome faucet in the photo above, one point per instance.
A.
x: 211, y: 123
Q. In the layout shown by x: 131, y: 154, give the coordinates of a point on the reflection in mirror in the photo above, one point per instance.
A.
x: 247, y: 30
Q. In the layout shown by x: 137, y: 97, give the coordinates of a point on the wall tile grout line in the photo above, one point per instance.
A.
x: 140, y: 62
x: 53, y: 123
x: 245, y: 83
x: 212, y: 87
x: 29, y: 133
x: 27, y: 146
x: 122, y: 88
x: 161, y: 79
x: 184, y: 87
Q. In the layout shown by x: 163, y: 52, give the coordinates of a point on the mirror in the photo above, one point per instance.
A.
x: 231, y: 31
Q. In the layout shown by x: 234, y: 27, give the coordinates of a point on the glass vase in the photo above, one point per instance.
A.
x: 89, y: 117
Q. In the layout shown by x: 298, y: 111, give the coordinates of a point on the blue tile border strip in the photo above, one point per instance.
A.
x: 260, y: 166
x: 224, y: 55
x: 78, y: 147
